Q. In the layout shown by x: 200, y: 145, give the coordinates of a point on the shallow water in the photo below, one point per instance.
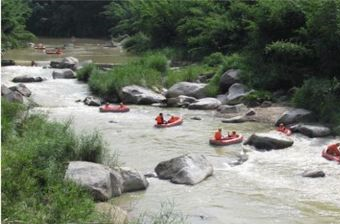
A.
x: 268, y: 188
x: 84, y: 49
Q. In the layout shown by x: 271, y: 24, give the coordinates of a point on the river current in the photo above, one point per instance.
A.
x: 267, y: 188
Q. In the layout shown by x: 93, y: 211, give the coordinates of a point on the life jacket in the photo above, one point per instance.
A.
x: 333, y: 150
x: 218, y: 135
x: 282, y: 129
x: 159, y: 120
x: 172, y: 119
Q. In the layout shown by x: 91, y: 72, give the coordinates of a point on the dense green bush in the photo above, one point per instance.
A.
x: 321, y: 96
x: 35, y: 154
x: 137, y: 43
x: 189, y: 73
x: 156, y: 61
x: 258, y: 96
x: 84, y: 73
x: 214, y: 59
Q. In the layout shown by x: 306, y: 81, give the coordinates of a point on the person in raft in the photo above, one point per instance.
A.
x: 160, y: 119
x: 218, y: 134
x: 333, y: 149
x: 107, y: 105
x: 172, y: 119
x: 281, y: 127
x: 233, y: 134
x: 121, y: 105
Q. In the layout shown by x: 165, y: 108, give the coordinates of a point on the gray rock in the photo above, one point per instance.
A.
x: 180, y: 101
x: 68, y: 62
x: 238, y: 119
x: 250, y: 112
x: 68, y: 45
x: 311, y: 131
x: 196, y: 118
x: 313, y: 173
x: 133, y: 180
x: 236, y: 93
x: 223, y: 98
x: 63, y: 74
x: 266, y: 104
x: 26, y: 78
x: 7, y: 62
x: 139, y: 95
x: 232, y: 108
x: 188, y: 169
x: 205, y: 104
x: 268, y: 141
x: 92, y: 101
x: 22, y: 89
x: 150, y: 175
x: 5, y: 90
x: 100, y: 180
x: 196, y: 90
x: 229, y: 78
x: 14, y: 96
x: 294, y: 116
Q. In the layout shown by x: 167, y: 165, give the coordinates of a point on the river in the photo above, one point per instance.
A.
x: 268, y: 188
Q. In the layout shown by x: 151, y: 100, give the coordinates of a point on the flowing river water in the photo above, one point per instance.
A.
x: 267, y: 188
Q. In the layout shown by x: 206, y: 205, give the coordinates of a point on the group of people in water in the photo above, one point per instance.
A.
x: 218, y: 135
x: 160, y: 119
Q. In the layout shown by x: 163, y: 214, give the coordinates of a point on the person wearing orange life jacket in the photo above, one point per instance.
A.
x: 281, y: 127
x: 172, y: 119
x: 218, y: 134
x: 333, y: 149
x: 160, y: 119
x: 106, y: 105
x: 233, y: 134
x: 121, y: 105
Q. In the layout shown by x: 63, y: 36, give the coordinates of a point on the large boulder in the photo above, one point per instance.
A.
x: 225, y: 109
x: 133, y: 180
x: 180, y: 101
x: 92, y: 101
x: 7, y: 62
x: 5, y: 90
x: 68, y: 62
x: 236, y: 94
x: 222, y: 98
x: 63, y: 74
x: 26, y: 78
x: 311, y: 131
x: 229, y: 78
x: 188, y: 169
x: 294, y: 116
x: 14, y: 96
x: 22, y: 89
x: 114, y: 213
x: 196, y: 90
x: 139, y: 95
x: 268, y: 141
x: 238, y: 119
x: 102, y: 182
x: 205, y: 104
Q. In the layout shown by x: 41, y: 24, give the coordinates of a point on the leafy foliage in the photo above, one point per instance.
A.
x: 35, y: 154
x: 13, y: 17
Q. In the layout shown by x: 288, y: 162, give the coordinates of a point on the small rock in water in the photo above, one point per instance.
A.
x: 78, y: 101
x: 196, y: 118
x: 113, y: 122
x: 150, y: 175
x: 251, y: 112
x: 313, y: 173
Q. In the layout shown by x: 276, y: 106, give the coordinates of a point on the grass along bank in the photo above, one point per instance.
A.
x: 35, y: 154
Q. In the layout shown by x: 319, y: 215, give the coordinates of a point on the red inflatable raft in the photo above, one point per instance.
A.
x: 329, y: 156
x: 179, y: 121
x: 226, y: 140
x: 114, y: 109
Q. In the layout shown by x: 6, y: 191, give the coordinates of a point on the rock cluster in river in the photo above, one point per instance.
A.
x: 268, y: 141
x: 18, y: 93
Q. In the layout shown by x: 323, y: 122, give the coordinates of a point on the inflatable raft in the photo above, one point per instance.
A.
x: 179, y: 121
x: 329, y: 156
x: 113, y: 109
x: 226, y: 141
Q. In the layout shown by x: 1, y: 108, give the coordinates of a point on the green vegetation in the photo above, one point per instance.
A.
x: 35, y: 153
x: 13, y: 17
x: 84, y: 73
